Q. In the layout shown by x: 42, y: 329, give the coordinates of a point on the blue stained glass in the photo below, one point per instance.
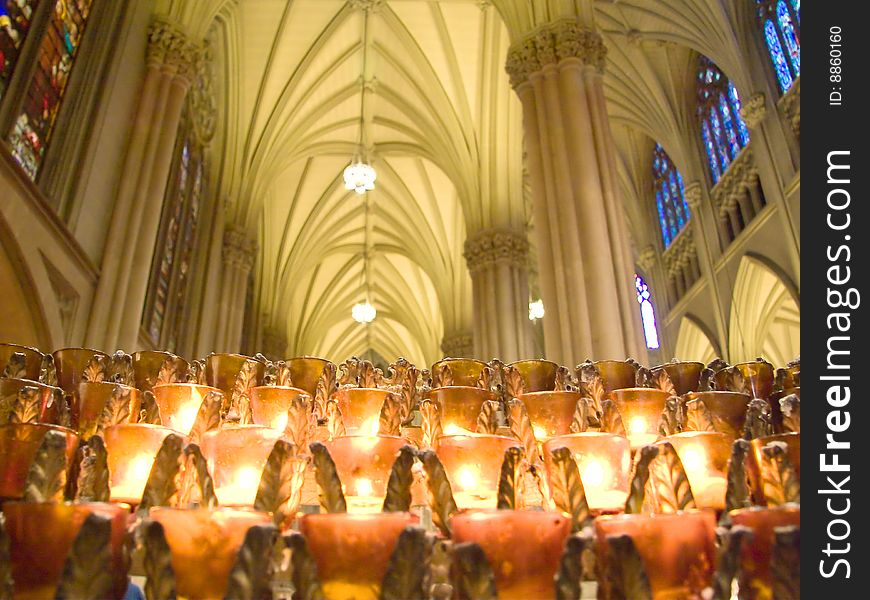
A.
x: 742, y: 131
x: 711, y: 152
x: 728, y: 129
x: 783, y: 74
x: 670, y: 197
x: 788, y: 32
x: 796, y: 7
x: 719, y: 139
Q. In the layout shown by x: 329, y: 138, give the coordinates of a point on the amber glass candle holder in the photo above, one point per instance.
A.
x: 203, y: 543
x: 147, y: 365
x: 353, y: 551
x: 19, y: 443
x: 685, y: 375
x: 236, y: 457
x: 179, y: 404
x: 70, y: 364
x: 464, y: 371
x: 538, y: 375
x: 92, y: 398
x: 756, y: 555
x: 616, y: 374
x: 459, y: 407
x: 727, y: 411
x: 604, y: 461
x: 32, y: 359
x: 551, y: 413
x: 705, y: 456
x: 221, y: 371
x: 758, y: 374
x: 132, y: 449
x: 305, y: 372
x: 677, y: 549
x: 363, y: 464
x: 269, y: 404
x: 473, y: 465
x: 522, y: 547
x: 42, y: 535
x: 640, y: 409
x: 361, y: 409
x: 49, y: 410
x: 756, y: 461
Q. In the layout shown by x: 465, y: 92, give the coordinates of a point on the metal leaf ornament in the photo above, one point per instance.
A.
x: 611, y: 420
x: 791, y: 413
x: 16, y: 366
x: 785, y: 563
x: 301, y: 425
x: 5, y: 561
x: 510, y: 481
x: 331, y: 495
x: 698, y: 417
x: 197, y: 486
x: 669, y: 481
x: 398, y: 498
x: 737, y: 491
x: 779, y: 479
x: 566, y: 488
x: 208, y: 417
x: 116, y: 410
x: 120, y: 368
x: 514, y: 384
x: 334, y: 421
x: 241, y: 400
x: 305, y: 581
x: 280, y: 489
x: 93, y: 476
x: 368, y: 376
x: 161, y: 488
x: 168, y: 372
x: 662, y: 381
x: 27, y: 405
x: 570, y: 575
x: 150, y: 412
x: 487, y: 420
x: 521, y: 428
x: 440, y: 493
x: 430, y: 423
x: 626, y: 575
x: 157, y: 563
x: 580, y: 420
x: 46, y: 478
x: 442, y: 376
x: 758, y: 420
x: 728, y: 559
x: 64, y: 412
x: 485, y: 380
x: 471, y: 573
x: 390, y: 419
x: 637, y: 490
x: 88, y: 573
x: 47, y: 371
x: 564, y: 380
x: 348, y: 372
x: 670, y: 421
x: 251, y: 575
x: 326, y: 385
x: 406, y: 575
x: 95, y: 370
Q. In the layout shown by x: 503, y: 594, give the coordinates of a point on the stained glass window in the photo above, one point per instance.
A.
x: 780, y: 23
x: 670, y: 195
x: 722, y: 128
x: 57, y: 53
x: 15, y: 17
x: 647, y: 312
x: 163, y: 318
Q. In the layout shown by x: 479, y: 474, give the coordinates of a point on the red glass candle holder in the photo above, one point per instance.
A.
x: 538, y: 375
x: 19, y: 443
x: 70, y: 364
x: 677, y: 549
x: 236, y: 457
x: 42, y: 535
x: 305, y: 372
x: 463, y: 371
x: 686, y: 376
x: 551, y: 413
x: 473, y: 465
x: 459, y: 407
x: 756, y: 459
x: 727, y: 410
x: 353, y: 551
x: 616, y: 374
x: 49, y: 409
x: 705, y: 456
x: 221, y: 371
x: 132, y: 449
x: 147, y: 365
x: 32, y: 359
x: 364, y: 464
x: 758, y: 374
x: 92, y: 399
x: 756, y: 555
x: 269, y: 404
x: 640, y: 409
x: 204, y: 543
x: 179, y: 404
x: 604, y: 461
x: 522, y: 547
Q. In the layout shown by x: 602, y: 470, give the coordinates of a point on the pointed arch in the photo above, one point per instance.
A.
x: 693, y: 343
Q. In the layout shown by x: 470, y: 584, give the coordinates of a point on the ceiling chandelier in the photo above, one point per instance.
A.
x: 536, y: 310
x: 359, y: 175
x: 364, y: 312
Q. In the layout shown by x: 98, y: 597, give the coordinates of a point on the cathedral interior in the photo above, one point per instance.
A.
x: 383, y: 184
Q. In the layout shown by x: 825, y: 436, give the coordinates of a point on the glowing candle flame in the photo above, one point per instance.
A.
x: 596, y: 473
x: 454, y: 429
x: 540, y: 432
x: 370, y: 426
x: 467, y: 477
x: 140, y: 468
x: 637, y: 425
x: 364, y: 487
x: 247, y: 477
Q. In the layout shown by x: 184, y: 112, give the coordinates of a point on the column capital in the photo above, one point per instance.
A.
x: 170, y: 47
x: 647, y: 258
x: 753, y: 110
x: 458, y: 344
x: 239, y: 250
x: 551, y: 44
x: 493, y: 246
x: 692, y: 194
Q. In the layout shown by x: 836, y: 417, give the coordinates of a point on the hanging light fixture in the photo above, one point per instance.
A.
x: 536, y: 310
x: 364, y: 312
x: 359, y: 175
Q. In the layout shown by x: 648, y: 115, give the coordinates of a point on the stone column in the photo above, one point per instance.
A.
x: 458, y: 344
x: 239, y: 253
x: 498, y: 262
x: 585, y: 265
x: 117, y: 309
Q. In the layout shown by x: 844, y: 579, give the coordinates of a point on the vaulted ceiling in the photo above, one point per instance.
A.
x: 445, y: 134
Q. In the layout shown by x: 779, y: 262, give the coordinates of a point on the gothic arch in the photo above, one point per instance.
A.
x: 21, y: 320
x: 693, y: 342
x: 765, y: 314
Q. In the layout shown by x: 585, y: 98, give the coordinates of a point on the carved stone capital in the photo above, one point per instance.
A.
x: 647, y: 258
x: 552, y: 44
x: 496, y: 246
x: 692, y: 193
x: 680, y: 253
x: 239, y: 250
x: 459, y: 344
x: 741, y: 174
x: 753, y: 110
x: 172, y: 49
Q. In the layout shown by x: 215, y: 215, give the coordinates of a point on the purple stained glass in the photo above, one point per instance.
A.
x: 790, y: 36
x: 670, y: 198
x: 783, y: 74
